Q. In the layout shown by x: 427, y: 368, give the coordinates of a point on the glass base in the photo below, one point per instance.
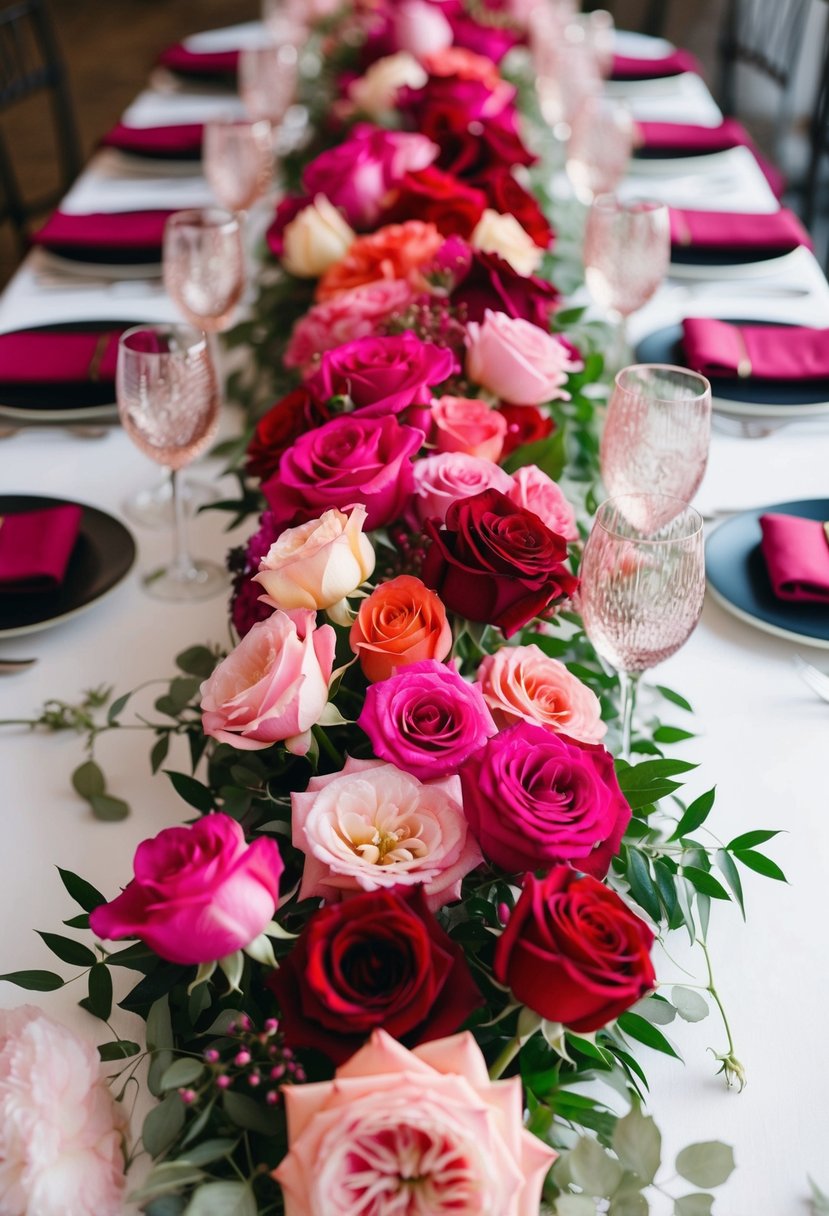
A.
x: 153, y: 508
x: 199, y: 581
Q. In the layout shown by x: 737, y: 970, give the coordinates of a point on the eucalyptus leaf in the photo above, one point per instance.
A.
x: 593, y: 1169
x: 698, y: 1204
x: 574, y: 1205
x: 164, y: 1178
x: 709, y: 1163
x: 656, y: 1010
x: 182, y: 1072
x: 109, y: 809
x: 248, y: 1114
x: 638, y: 1144
x: 222, y: 1199
x: 209, y: 1151
x: 120, y: 1049
x: 690, y: 1005
x: 163, y: 1124
x: 88, y: 779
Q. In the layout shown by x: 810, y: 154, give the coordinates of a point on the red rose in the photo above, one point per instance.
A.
x: 471, y: 146
x: 508, y: 197
x: 492, y: 283
x: 495, y: 562
x: 437, y: 198
x: 525, y: 424
x: 574, y: 952
x: 378, y: 960
x: 277, y: 430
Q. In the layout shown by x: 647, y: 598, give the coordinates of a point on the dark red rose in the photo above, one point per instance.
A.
x: 288, y: 209
x: 492, y: 283
x: 437, y: 198
x: 470, y: 147
x: 534, y: 798
x: 277, y: 430
x: 508, y: 197
x: 377, y: 961
x: 525, y: 424
x: 574, y: 952
x: 495, y: 562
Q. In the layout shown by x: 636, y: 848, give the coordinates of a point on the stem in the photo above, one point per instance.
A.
x: 326, y: 745
x: 182, y: 564
x: 716, y: 997
x: 628, y: 683
x: 504, y: 1060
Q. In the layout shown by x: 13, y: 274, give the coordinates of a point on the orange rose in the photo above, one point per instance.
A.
x: 397, y: 251
x: 401, y: 622
x: 466, y: 65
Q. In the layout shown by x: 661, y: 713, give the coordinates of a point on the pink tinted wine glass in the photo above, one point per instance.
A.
x: 238, y: 161
x: 204, y: 266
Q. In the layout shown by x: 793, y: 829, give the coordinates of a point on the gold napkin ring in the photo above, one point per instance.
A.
x: 826, y: 530
x: 744, y: 365
x: 98, y: 357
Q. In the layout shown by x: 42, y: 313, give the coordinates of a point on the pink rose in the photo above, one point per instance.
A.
x: 420, y: 28
x: 426, y: 719
x: 464, y: 424
x: 319, y: 564
x: 358, y: 313
x: 427, y: 1126
x: 523, y: 683
x: 273, y: 687
x: 199, y: 893
x: 61, y: 1132
x: 440, y: 480
x: 539, y: 493
x: 517, y: 361
x: 383, y: 375
x: 346, y: 461
x: 372, y: 827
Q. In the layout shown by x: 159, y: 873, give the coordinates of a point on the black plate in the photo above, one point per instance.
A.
x: 55, y: 396
x: 103, y: 555
x: 682, y: 255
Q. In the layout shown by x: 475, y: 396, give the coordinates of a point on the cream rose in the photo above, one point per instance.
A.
x: 502, y: 234
x: 375, y: 92
x: 315, y: 239
x: 522, y: 682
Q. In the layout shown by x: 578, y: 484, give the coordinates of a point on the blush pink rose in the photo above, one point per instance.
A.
x: 465, y: 424
x: 199, y: 892
x: 427, y: 1126
x: 420, y: 28
x: 523, y: 683
x: 533, y: 489
x: 517, y: 361
x: 441, y: 479
x: 274, y: 686
x: 371, y: 827
x: 358, y: 313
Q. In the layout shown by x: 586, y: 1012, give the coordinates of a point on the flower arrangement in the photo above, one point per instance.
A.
x: 417, y: 902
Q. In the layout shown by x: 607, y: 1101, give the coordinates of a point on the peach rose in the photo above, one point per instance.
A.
x: 465, y: 424
x: 466, y: 65
x: 371, y: 827
x: 316, y: 239
x: 401, y: 622
x: 375, y: 93
x: 533, y: 489
x: 421, y: 1131
x: 318, y: 564
x: 521, y: 682
x: 397, y: 251
x: 343, y: 318
x: 441, y: 479
x: 502, y: 234
x: 517, y: 361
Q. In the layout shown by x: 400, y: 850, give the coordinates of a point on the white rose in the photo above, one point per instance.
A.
x: 315, y: 239
x: 502, y: 234
x: 375, y: 92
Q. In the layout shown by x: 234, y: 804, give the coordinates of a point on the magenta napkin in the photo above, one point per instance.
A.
x: 35, y: 548
x: 725, y: 350
x: 796, y: 552
x: 181, y: 142
x: 129, y: 236
x: 679, y: 137
x: 44, y: 357
x: 627, y: 68
x: 199, y: 63
x: 778, y: 232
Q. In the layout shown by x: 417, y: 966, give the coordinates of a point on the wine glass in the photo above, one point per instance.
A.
x: 567, y: 76
x: 601, y: 141
x: 656, y: 435
x: 204, y: 266
x: 238, y: 161
x: 641, y: 588
x: 268, y: 77
x: 168, y: 401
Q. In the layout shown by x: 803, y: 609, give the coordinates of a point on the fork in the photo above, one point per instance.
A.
x: 817, y: 680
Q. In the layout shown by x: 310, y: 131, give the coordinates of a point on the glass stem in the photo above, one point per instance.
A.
x: 628, y: 683
x: 182, y: 562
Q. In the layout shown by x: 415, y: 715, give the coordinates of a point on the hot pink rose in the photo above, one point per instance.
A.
x: 274, y: 686
x: 383, y: 375
x: 464, y: 424
x: 517, y: 361
x: 372, y: 826
x: 358, y: 313
x: 440, y: 480
x: 523, y: 683
x: 346, y: 461
x: 426, y: 719
x: 199, y: 893
x: 539, y: 493
x: 427, y: 1126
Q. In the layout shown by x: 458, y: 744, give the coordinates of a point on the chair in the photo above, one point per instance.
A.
x: 31, y: 64
x: 818, y: 140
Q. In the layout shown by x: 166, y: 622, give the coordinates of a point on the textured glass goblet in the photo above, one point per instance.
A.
x: 238, y: 161
x: 204, y: 266
x: 600, y: 145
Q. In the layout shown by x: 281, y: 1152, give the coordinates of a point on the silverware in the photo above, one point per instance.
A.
x: 9, y: 667
x: 816, y: 679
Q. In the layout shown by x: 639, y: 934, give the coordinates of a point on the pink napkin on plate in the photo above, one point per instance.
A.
x: 727, y: 350
x: 35, y: 547
x: 627, y: 68
x: 796, y: 553
x: 199, y: 63
x: 679, y: 137
x: 778, y: 232
x: 51, y: 369
x: 112, y: 236
x: 179, y: 142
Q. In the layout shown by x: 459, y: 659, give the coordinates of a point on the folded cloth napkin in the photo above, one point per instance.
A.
x: 118, y: 236
x: 725, y: 350
x: 677, y: 138
x: 35, y: 547
x: 627, y: 68
x: 779, y: 232
x: 199, y: 63
x: 47, y: 369
x: 177, y: 142
x: 796, y: 552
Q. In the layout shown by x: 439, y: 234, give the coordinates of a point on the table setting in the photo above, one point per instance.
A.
x: 412, y: 672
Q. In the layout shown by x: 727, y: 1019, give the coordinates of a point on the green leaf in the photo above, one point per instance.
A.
x: 209, y: 1151
x: 548, y: 454
x: 68, y: 950
x: 166, y: 1205
x: 196, y: 661
x: 651, y: 780
x: 162, y: 1179
x: 655, y: 1010
x: 191, y: 790
x: 674, y: 697
x: 159, y: 1026
x: 250, y: 1115
x: 638, y: 1144
x: 672, y: 734
x: 696, y: 815
x: 163, y: 1124
x: 637, y: 1028
x: 81, y: 891
x: 820, y: 1202
x: 759, y: 862
x: 116, y: 708
x: 665, y: 885
x: 725, y: 864
x: 110, y: 810
x: 159, y: 752
x: 222, y: 1199
x: 120, y: 1049
x: 88, y: 780
x: 574, y: 1205
x: 592, y: 1169
x: 705, y: 882
x: 698, y: 1204
x: 641, y: 883
x: 709, y: 1163
x: 34, y: 981
x: 182, y: 1072
x: 99, y: 1001
x: 749, y: 839
x: 690, y: 1004
x: 629, y: 1204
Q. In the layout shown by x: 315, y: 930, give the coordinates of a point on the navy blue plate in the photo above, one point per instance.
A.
x: 738, y: 578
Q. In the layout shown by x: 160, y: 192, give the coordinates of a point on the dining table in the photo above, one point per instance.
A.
x: 758, y: 731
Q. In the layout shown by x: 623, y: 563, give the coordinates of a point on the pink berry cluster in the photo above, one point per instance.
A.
x: 253, y: 1059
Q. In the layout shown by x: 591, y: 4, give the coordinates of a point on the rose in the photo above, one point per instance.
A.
x: 502, y: 234
x: 466, y: 65
x: 383, y: 375
x: 318, y: 564
x: 525, y: 424
x: 273, y: 687
x: 539, y: 493
x: 441, y: 479
x: 495, y: 562
x: 517, y: 361
x: 371, y: 827
x: 523, y: 683
x: 277, y: 430
x: 509, y: 197
x: 199, y: 893
x: 573, y: 952
x: 463, y: 424
x: 315, y: 239
x: 420, y: 28
x: 470, y: 96
x: 491, y: 41
x: 397, y: 251
x: 534, y: 798
x: 427, y: 1126
x: 346, y: 461
x: 288, y: 209
x: 438, y: 198
x: 473, y: 143
x: 359, y: 313
x: 61, y: 1132
x: 426, y: 719
x: 490, y: 282
x: 246, y: 607
x: 377, y: 960
x: 401, y: 622
x: 375, y: 93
